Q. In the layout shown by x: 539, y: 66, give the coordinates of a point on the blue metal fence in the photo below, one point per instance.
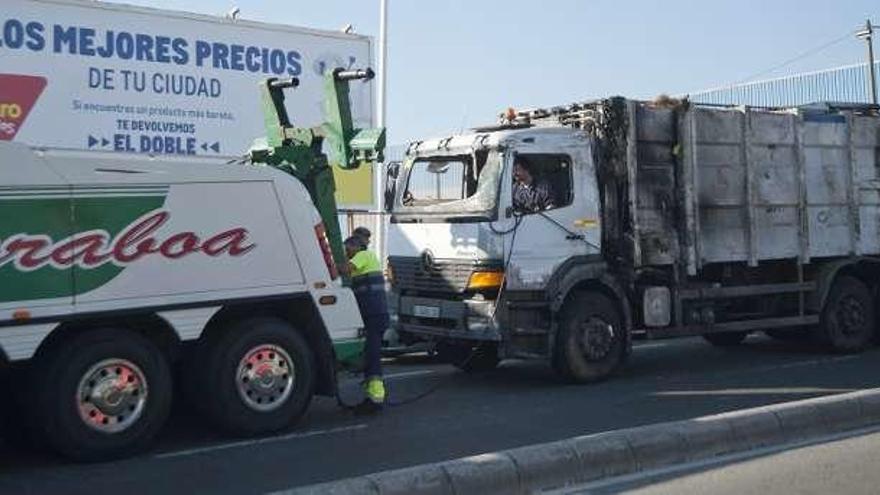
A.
x: 842, y: 84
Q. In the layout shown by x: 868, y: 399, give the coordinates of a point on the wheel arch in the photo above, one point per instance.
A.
x: 149, y: 325
x: 584, y: 274
x: 866, y: 270
x: 587, y: 275
x: 300, y: 312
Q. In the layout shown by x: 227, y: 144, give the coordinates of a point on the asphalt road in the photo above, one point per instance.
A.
x: 516, y: 405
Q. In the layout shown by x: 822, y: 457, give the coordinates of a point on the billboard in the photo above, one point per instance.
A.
x: 115, y: 78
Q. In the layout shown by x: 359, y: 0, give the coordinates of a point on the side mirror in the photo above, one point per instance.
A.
x: 392, y: 171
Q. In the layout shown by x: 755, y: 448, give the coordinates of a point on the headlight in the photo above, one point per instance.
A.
x: 485, y: 280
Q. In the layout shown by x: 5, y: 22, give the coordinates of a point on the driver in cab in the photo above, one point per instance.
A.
x: 530, y: 194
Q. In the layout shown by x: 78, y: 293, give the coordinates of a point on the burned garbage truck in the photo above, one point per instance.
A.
x: 664, y: 219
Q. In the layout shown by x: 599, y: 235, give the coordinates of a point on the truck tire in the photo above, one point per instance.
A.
x: 255, y: 377
x: 103, y: 394
x: 846, y: 324
x: 726, y: 339
x: 470, y: 359
x: 591, y: 340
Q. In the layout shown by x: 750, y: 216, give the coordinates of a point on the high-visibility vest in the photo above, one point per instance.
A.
x: 368, y: 283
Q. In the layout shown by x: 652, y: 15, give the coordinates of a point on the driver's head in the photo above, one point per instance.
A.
x: 522, y: 172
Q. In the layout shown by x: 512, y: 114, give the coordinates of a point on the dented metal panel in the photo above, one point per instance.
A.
x: 755, y: 185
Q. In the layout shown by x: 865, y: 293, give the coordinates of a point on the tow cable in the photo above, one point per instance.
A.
x: 409, y: 400
x: 356, y: 407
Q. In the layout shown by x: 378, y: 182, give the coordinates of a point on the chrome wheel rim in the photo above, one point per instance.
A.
x: 112, y: 395
x: 265, y: 377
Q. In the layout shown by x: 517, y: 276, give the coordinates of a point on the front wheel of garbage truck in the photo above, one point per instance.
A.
x: 591, y: 338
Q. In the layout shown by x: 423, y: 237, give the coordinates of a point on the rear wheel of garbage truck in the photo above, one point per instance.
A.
x: 726, y: 339
x: 847, y: 321
x: 102, y: 394
x: 255, y: 377
x: 591, y: 340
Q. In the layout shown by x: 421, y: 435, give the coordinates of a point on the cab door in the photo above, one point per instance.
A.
x: 538, y: 242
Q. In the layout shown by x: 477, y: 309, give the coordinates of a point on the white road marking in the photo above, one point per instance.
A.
x: 649, y: 346
x: 258, y: 441
x: 406, y: 374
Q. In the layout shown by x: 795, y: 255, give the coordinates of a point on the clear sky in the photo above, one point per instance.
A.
x: 458, y: 63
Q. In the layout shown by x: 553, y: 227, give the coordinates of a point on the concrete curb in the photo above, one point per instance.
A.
x: 588, y: 458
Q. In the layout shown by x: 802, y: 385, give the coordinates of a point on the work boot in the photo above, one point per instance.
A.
x: 374, y: 388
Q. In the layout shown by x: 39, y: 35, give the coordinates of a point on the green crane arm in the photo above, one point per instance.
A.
x: 299, y: 151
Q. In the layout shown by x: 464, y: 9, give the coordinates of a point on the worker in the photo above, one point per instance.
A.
x: 368, y: 285
x: 529, y: 194
x: 364, y: 234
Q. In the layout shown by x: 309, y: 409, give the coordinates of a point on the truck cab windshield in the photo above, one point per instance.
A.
x: 466, y: 184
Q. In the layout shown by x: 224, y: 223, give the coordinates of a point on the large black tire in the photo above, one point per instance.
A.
x: 102, y: 394
x: 591, y: 340
x: 847, y: 321
x: 726, y: 339
x: 470, y: 359
x: 243, y: 377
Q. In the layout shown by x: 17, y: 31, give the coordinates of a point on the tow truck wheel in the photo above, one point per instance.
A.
x: 847, y: 320
x: 255, y: 377
x: 590, y: 344
x: 103, y: 394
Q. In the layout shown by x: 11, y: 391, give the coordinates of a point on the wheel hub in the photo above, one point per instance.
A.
x: 265, y: 377
x: 851, y: 315
x: 597, y: 338
x: 111, y: 395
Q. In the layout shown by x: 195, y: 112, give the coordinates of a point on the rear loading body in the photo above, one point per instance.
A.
x: 116, y: 269
x: 665, y: 220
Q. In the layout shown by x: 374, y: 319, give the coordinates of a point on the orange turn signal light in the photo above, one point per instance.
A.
x: 485, y: 280
x: 327, y: 300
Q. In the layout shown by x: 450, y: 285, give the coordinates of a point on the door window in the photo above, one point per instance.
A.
x: 541, y: 182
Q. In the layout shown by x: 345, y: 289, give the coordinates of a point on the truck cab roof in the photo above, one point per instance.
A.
x: 493, y: 138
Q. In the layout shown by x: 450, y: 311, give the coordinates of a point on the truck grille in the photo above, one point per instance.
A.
x: 442, y: 276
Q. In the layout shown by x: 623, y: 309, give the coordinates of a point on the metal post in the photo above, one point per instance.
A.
x: 379, y: 170
x: 868, y: 35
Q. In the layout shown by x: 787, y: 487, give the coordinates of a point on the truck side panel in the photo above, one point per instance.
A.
x: 762, y: 185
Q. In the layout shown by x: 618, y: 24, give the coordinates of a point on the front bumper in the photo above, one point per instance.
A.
x: 470, y: 319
